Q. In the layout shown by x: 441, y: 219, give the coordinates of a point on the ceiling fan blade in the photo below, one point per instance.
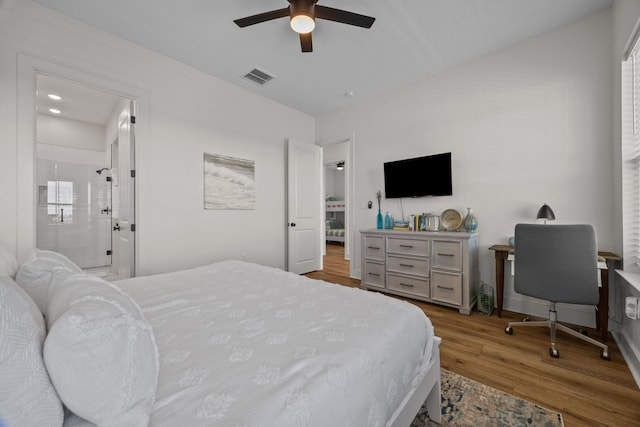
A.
x: 305, y: 42
x: 262, y: 17
x: 339, y: 15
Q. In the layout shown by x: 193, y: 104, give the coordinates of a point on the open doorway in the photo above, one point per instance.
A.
x: 336, y: 232
x: 335, y: 203
x: 76, y: 126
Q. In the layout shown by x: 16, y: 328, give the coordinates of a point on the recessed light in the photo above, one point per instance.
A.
x: 54, y: 97
x: 54, y: 111
x: 350, y: 93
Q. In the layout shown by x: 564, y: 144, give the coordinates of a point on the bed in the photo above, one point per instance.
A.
x: 334, y: 222
x: 226, y: 344
x: 334, y: 231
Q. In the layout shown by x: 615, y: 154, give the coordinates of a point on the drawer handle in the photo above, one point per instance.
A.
x: 373, y: 247
x: 449, y: 288
x: 406, y: 265
x: 439, y: 254
x: 406, y: 246
x: 373, y: 274
x: 408, y: 285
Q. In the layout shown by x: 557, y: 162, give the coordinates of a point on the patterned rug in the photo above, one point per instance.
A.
x: 469, y: 403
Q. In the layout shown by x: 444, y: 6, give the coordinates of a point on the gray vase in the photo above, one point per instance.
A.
x: 470, y: 221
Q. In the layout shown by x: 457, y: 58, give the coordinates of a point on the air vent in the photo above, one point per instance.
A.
x: 258, y: 76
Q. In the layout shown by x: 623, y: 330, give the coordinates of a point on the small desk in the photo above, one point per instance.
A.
x: 602, y: 316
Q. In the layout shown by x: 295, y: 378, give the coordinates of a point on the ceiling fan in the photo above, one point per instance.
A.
x: 303, y: 15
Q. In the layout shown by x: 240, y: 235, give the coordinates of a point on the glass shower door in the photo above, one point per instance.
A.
x: 74, y: 215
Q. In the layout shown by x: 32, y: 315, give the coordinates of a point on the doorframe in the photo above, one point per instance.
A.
x: 28, y: 69
x: 350, y: 166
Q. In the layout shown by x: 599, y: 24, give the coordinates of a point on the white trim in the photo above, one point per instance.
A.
x: 633, y: 279
x: 631, y: 42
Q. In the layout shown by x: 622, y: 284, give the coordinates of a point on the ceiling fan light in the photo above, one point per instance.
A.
x: 302, y: 24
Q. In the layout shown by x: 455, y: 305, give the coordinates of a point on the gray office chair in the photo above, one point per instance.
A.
x: 557, y: 263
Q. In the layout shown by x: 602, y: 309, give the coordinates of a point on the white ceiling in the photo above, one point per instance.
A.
x: 78, y: 102
x: 410, y: 40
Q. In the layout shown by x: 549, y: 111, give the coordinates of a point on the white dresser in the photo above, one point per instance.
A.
x: 438, y: 267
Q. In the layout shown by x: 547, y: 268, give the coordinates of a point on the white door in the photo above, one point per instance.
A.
x: 123, y: 194
x: 304, y: 242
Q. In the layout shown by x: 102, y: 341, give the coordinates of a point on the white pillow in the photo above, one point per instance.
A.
x: 100, y: 351
x: 35, y: 274
x: 8, y: 263
x: 57, y: 256
x: 27, y: 397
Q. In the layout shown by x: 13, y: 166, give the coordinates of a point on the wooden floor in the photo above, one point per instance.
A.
x: 587, y: 390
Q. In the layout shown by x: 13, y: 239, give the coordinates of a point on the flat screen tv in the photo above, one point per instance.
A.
x: 418, y: 177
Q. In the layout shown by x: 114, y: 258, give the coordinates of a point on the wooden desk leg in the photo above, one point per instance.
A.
x: 500, y: 257
x: 602, y: 319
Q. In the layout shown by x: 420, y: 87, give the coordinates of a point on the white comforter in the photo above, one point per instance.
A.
x: 246, y: 345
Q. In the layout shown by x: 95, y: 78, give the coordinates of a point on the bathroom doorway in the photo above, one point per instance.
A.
x: 75, y: 128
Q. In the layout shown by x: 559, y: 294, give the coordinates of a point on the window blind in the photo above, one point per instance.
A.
x: 631, y: 158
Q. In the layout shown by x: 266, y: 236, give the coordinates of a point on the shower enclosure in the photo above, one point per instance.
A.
x: 73, y: 214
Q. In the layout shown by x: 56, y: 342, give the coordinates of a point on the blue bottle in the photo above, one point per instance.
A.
x: 379, y: 220
x: 387, y: 221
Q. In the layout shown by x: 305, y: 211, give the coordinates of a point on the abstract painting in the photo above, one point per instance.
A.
x: 229, y: 182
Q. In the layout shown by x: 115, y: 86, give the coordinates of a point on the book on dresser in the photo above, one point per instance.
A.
x: 439, y: 267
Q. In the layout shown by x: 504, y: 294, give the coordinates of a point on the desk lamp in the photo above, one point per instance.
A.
x: 546, y: 213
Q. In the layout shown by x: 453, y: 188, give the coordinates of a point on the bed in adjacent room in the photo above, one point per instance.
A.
x: 232, y: 344
x: 334, y: 231
x: 334, y: 222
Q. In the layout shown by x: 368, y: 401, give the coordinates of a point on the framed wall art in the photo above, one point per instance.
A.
x: 229, y: 182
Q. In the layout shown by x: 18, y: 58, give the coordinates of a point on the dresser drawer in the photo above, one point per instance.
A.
x: 419, y: 287
x: 419, y: 267
x: 447, y: 254
x: 446, y: 287
x: 408, y: 246
x: 373, y: 274
x: 374, y: 247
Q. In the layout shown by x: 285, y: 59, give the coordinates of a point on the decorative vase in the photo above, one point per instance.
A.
x: 388, y: 224
x: 379, y: 224
x: 470, y: 221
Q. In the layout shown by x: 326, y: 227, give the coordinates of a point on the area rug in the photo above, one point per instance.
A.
x: 469, y: 403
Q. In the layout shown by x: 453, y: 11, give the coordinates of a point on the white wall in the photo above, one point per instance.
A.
x: 337, y: 152
x: 527, y: 125
x: 70, y: 141
x: 186, y: 114
x: 69, y: 133
x: 335, y: 180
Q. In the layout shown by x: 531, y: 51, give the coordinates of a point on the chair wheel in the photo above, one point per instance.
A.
x: 508, y: 330
x: 554, y: 353
x: 604, y: 354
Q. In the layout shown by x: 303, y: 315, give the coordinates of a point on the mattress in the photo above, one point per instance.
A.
x: 335, y: 232
x: 246, y: 345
